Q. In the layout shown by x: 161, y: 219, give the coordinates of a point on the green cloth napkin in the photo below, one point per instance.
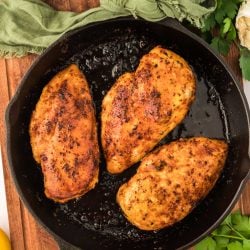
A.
x: 32, y: 25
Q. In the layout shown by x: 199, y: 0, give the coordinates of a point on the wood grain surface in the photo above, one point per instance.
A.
x: 25, y: 233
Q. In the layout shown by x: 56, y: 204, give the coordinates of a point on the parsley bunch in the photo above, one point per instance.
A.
x: 222, y: 20
x: 232, y: 234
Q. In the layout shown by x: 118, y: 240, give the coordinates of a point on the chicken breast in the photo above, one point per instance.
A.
x: 171, y: 181
x: 63, y: 136
x: 144, y: 106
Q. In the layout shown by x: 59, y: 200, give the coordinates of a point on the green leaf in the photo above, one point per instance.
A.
x: 209, y: 23
x: 237, y: 1
x: 240, y: 222
x: 206, y: 244
x: 215, y: 43
x: 236, y: 245
x: 227, y: 24
x: 228, y: 30
x: 219, y: 4
x: 244, y: 63
x: 222, y: 229
x: 230, y: 234
x: 231, y: 35
x: 218, y: 247
x: 219, y: 15
x: 246, y: 244
x: 221, y: 241
x: 230, y: 8
x: 221, y: 45
x: 227, y: 220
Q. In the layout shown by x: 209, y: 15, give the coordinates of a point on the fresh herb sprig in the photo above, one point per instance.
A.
x: 232, y: 234
x: 219, y: 30
x: 223, y: 20
x: 245, y: 62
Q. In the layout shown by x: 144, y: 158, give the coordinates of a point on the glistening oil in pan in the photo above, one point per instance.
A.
x: 103, y: 62
x: 206, y: 110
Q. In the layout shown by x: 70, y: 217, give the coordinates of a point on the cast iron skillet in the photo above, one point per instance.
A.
x: 104, y: 51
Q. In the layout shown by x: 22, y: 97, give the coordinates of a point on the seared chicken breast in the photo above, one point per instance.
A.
x: 142, y: 107
x: 63, y: 136
x: 171, y: 181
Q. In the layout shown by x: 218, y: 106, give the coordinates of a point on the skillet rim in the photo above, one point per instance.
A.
x: 168, y: 22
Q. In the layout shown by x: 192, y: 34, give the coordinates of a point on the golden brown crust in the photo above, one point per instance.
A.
x: 144, y: 106
x: 63, y: 136
x: 170, y: 182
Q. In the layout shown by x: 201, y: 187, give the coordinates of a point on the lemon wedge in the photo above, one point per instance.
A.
x: 4, y: 241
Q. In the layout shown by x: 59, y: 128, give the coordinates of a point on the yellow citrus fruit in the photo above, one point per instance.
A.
x: 4, y: 241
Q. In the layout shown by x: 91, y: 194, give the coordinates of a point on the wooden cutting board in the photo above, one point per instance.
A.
x: 25, y: 233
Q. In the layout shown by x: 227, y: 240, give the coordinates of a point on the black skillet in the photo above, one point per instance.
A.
x: 104, y: 51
